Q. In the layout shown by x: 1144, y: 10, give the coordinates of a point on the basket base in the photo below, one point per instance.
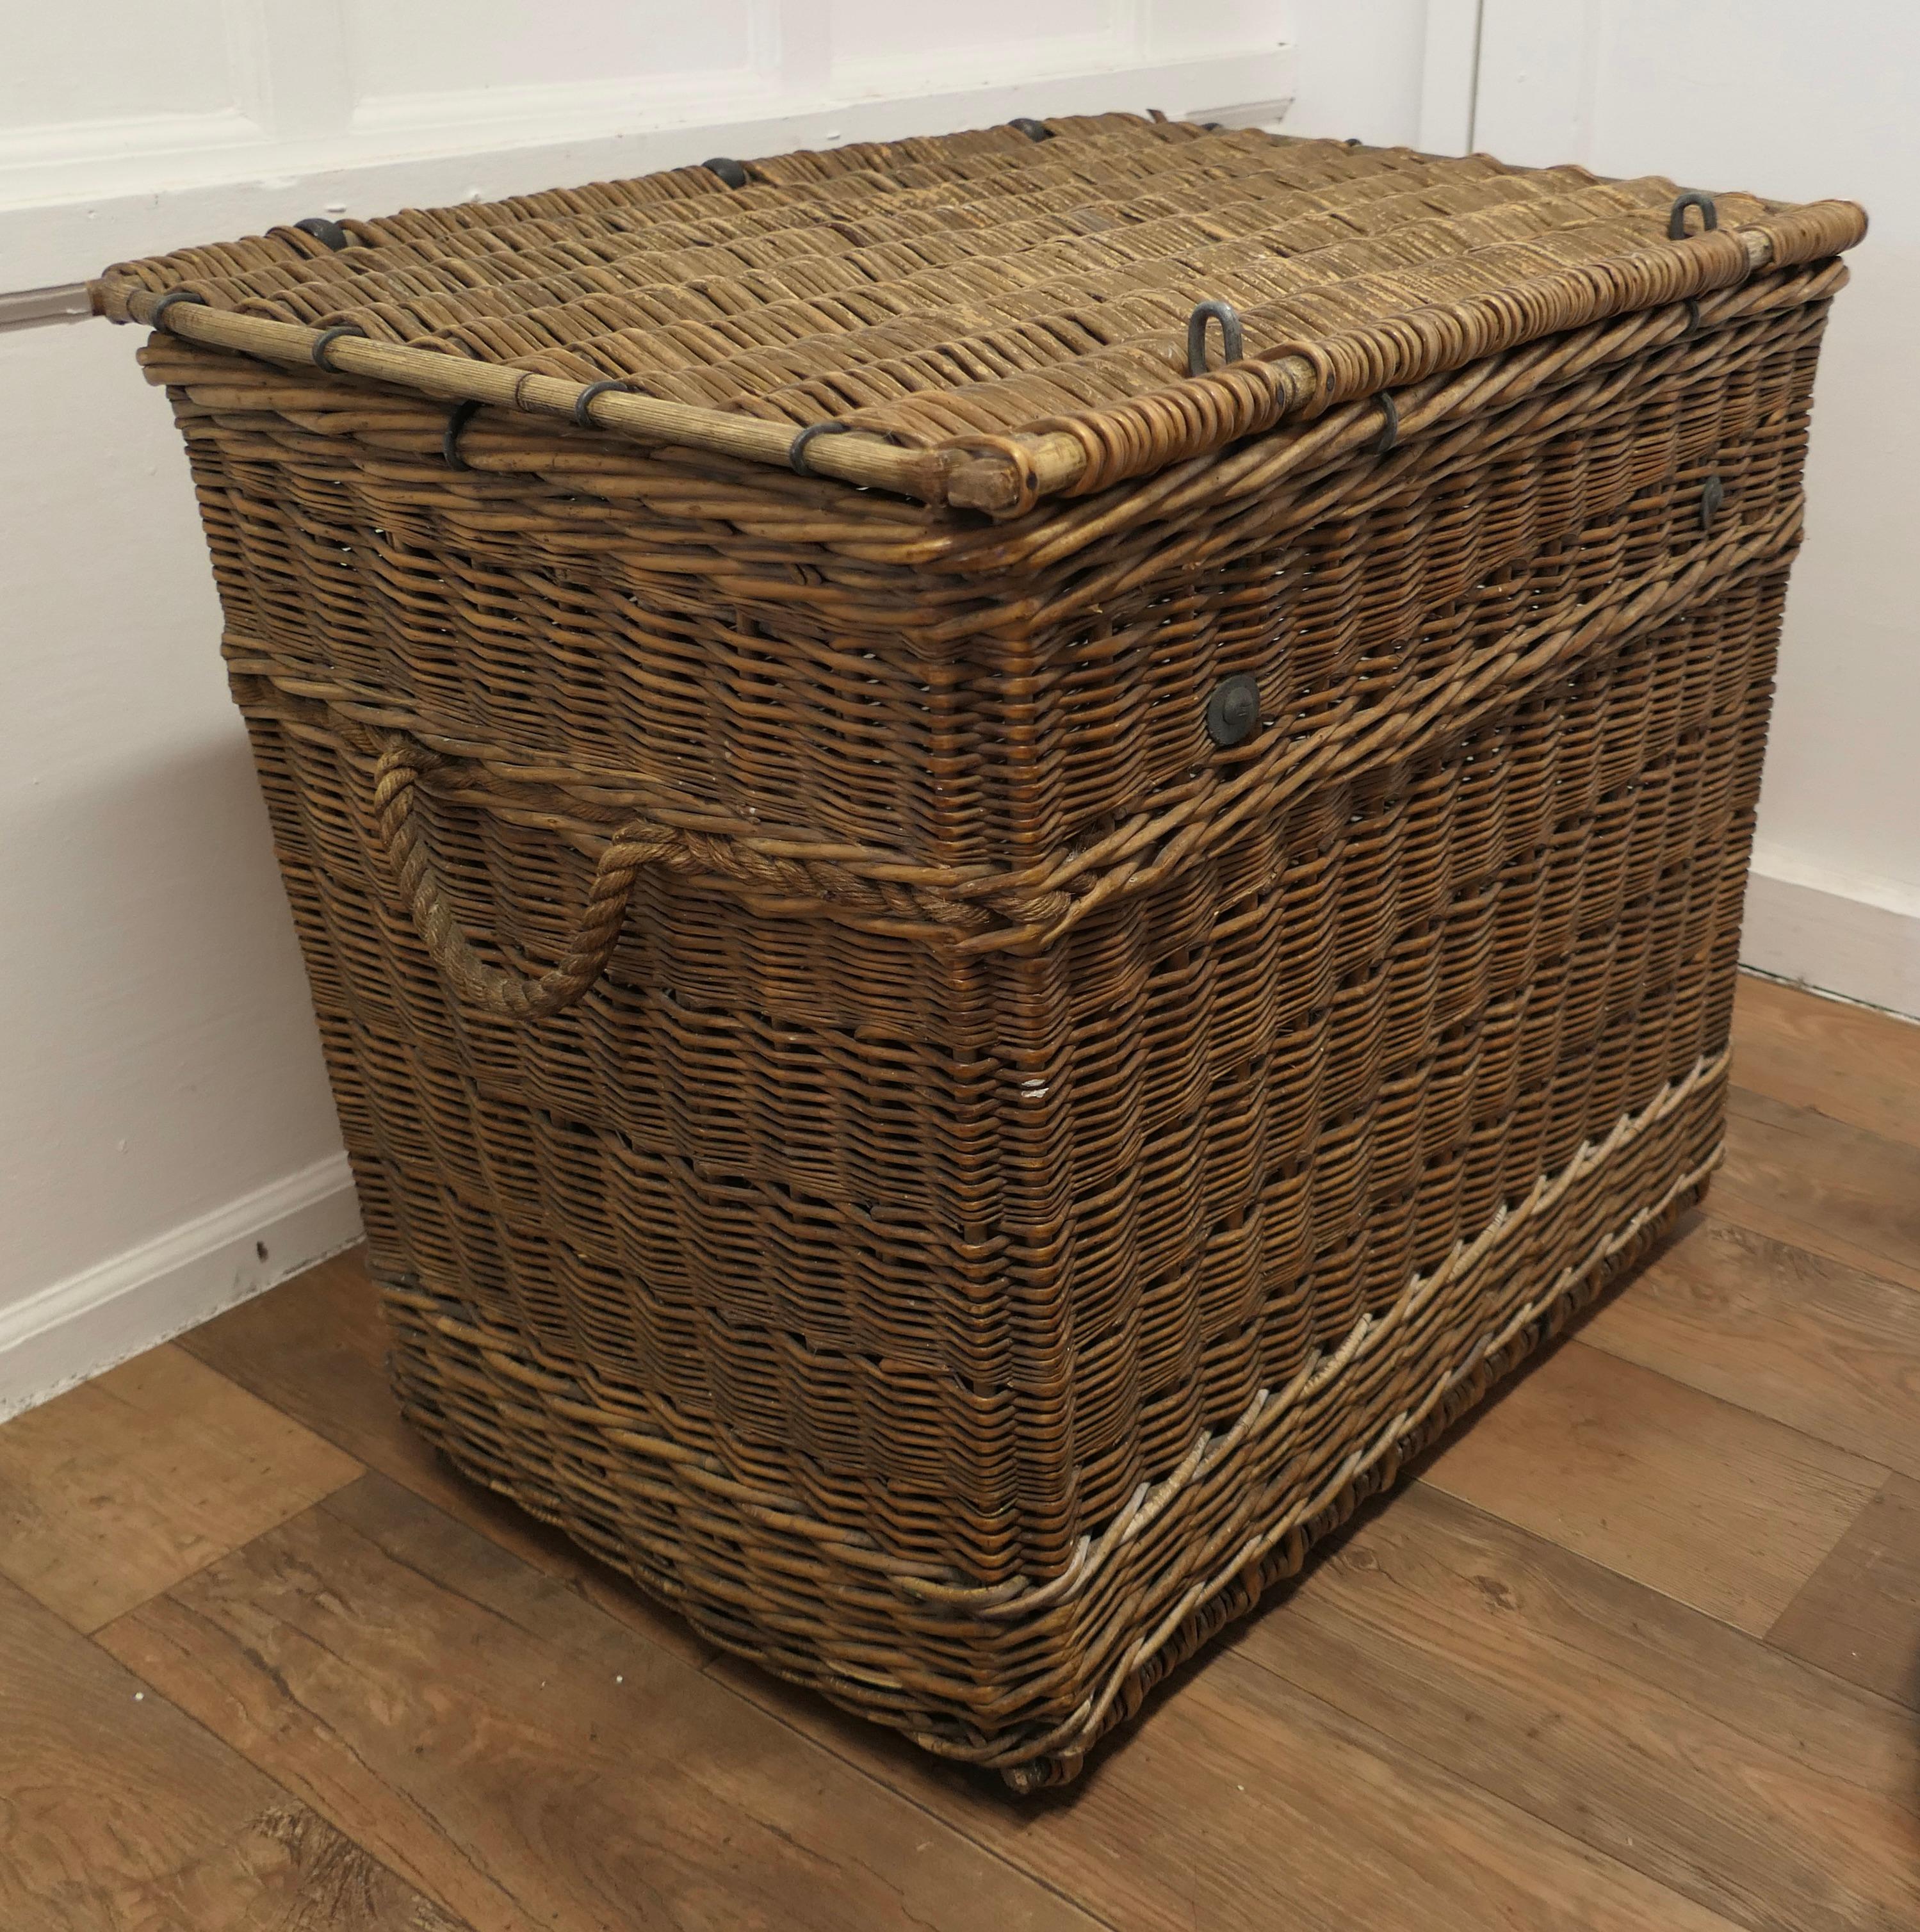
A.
x: 607, y: 1469
x: 1244, y: 1592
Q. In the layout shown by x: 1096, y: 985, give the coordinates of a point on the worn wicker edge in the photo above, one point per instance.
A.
x: 1007, y: 476
x: 1027, y: 1759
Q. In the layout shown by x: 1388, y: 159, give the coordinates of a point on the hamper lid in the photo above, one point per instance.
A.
x: 1039, y: 308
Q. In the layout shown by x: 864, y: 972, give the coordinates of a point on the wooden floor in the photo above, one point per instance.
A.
x: 1639, y: 1649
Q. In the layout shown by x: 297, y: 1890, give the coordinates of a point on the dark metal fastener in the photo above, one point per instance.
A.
x: 1390, y: 435
x: 167, y: 300
x: 796, y: 450
x: 328, y: 234
x: 1233, y: 337
x: 729, y: 170
x: 1034, y: 130
x: 1676, y: 222
x: 458, y: 417
x: 324, y: 340
x: 584, y: 401
x: 1693, y: 328
x: 1713, y: 493
x: 1234, y: 709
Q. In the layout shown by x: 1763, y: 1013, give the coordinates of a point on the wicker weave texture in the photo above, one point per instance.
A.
x: 866, y: 1114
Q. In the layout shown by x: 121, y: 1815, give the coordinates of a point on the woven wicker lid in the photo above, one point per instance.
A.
x: 1021, y: 297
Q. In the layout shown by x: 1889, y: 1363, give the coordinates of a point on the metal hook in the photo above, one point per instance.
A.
x: 584, y: 401
x: 327, y: 337
x: 1034, y: 130
x: 1692, y: 197
x: 1233, y: 337
x: 796, y: 450
x: 458, y: 417
x: 1390, y: 435
x: 167, y: 300
x: 729, y: 170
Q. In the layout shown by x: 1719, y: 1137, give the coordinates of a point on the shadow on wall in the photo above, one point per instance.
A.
x: 158, y: 1060
x: 162, y: 1058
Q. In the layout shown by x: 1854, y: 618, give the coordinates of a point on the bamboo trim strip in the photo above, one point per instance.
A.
x: 863, y: 459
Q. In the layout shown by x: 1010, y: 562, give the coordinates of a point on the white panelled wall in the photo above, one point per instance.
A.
x: 166, y: 1143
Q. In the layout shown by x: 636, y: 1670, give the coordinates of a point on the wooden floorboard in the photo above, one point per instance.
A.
x: 1821, y: 1184
x: 1677, y: 1744
x: 1640, y: 1649
x: 527, y: 1760
x: 1825, y: 1348
x: 1850, y: 1063
x: 1859, y: 1615
x: 122, y: 1485
x: 119, y: 1814
x: 1241, y: 1804
x: 1699, y: 1499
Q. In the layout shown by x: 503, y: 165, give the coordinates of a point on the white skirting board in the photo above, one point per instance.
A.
x: 79, y: 1326
x: 1855, y: 936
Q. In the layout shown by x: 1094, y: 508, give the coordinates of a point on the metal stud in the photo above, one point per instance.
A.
x: 328, y: 234
x: 729, y: 170
x: 1233, y: 711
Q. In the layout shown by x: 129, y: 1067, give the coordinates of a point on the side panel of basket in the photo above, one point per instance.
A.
x: 1313, y: 1069
x: 1261, y: 1274
x: 750, y: 1184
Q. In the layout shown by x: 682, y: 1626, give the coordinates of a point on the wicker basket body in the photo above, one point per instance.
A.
x: 868, y: 1113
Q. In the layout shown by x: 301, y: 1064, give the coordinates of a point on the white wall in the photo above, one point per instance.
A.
x: 1798, y: 102
x: 163, y: 1113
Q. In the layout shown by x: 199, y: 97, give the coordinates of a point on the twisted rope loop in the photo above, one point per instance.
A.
x: 397, y: 774
x: 824, y: 877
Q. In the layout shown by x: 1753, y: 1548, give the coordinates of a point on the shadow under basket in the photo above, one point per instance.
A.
x: 1015, y: 849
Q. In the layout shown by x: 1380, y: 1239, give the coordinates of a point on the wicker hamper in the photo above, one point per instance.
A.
x: 1015, y: 849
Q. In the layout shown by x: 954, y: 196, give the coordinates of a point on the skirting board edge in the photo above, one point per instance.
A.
x: 1858, y: 938
x: 77, y: 1328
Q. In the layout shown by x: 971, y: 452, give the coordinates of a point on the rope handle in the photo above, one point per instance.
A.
x: 397, y: 774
